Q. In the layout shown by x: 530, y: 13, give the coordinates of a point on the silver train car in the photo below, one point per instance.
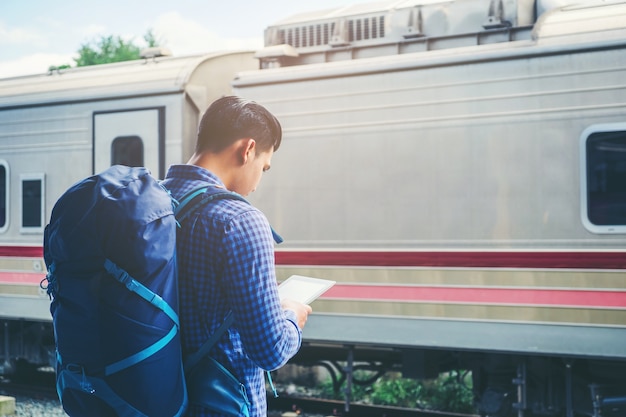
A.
x: 459, y: 168
x: 60, y: 127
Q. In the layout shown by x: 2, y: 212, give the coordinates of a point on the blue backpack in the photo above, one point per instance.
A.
x: 110, y: 250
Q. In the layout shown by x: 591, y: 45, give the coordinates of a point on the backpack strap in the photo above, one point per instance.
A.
x: 154, y: 299
x: 140, y: 289
x: 206, y: 346
x: 77, y: 380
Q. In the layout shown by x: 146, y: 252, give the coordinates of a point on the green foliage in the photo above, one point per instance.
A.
x: 52, y: 68
x: 151, y: 39
x: 358, y: 392
x: 398, y: 392
x: 108, y: 49
x: 450, y: 392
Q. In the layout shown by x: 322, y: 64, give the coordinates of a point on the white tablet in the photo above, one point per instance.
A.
x: 303, y: 289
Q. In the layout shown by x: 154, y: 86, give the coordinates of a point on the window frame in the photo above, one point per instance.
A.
x: 40, y: 176
x: 7, y: 211
x: 584, y: 213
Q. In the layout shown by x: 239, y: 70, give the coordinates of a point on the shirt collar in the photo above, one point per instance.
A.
x: 194, y: 173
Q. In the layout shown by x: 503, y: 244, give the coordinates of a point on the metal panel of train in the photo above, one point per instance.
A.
x: 459, y: 168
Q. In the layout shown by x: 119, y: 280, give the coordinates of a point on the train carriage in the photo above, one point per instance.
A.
x: 459, y: 168
x: 60, y: 127
x: 464, y: 186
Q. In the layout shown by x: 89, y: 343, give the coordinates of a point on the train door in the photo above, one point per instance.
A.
x: 130, y: 137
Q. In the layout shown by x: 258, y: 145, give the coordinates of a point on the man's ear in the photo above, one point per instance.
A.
x: 248, y: 149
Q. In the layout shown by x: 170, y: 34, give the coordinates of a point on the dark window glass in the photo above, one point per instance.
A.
x: 32, y: 203
x: 606, y: 178
x: 4, y: 186
x: 127, y: 150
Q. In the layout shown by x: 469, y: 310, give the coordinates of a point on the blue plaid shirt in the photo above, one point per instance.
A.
x: 226, y: 262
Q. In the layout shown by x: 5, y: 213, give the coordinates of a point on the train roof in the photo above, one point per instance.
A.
x: 158, y: 75
x: 588, y: 25
x: 456, y: 9
x: 395, y: 27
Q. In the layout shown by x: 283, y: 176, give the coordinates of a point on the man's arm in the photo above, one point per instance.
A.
x: 270, y: 334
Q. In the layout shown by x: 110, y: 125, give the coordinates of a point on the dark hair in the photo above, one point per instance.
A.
x: 231, y: 118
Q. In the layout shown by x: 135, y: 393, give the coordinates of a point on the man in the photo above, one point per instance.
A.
x: 226, y: 251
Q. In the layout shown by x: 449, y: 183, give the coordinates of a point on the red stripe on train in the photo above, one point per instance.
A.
x: 21, y: 277
x: 22, y: 251
x: 451, y: 259
x: 471, y: 259
x: 435, y: 294
x: 469, y: 295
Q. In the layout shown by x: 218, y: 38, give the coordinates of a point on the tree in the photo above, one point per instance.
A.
x: 151, y: 39
x: 109, y: 49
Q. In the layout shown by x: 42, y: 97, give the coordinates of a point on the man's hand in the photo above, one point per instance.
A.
x: 302, y: 310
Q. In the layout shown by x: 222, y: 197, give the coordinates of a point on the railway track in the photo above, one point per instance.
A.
x: 315, y: 406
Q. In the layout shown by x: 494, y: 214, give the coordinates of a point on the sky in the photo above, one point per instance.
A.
x: 37, y: 34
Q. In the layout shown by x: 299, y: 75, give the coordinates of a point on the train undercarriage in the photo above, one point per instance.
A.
x: 504, y: 384
x: 26, y: 346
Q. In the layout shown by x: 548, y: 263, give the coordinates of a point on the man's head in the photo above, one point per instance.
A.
x: 231, y: 118
x: 236, y: 141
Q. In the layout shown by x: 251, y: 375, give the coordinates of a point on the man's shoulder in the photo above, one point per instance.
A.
x: 230, y: 208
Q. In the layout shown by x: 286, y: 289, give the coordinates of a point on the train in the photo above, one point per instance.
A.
x: 457, y: 167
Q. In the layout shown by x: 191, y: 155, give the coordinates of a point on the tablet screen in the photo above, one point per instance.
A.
x: 303, y: 289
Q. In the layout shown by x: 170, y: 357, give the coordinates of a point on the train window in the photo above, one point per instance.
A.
x: 603, y: 178
x: 33, y: 198
x: 127, y: 150
x: 4, y: 196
